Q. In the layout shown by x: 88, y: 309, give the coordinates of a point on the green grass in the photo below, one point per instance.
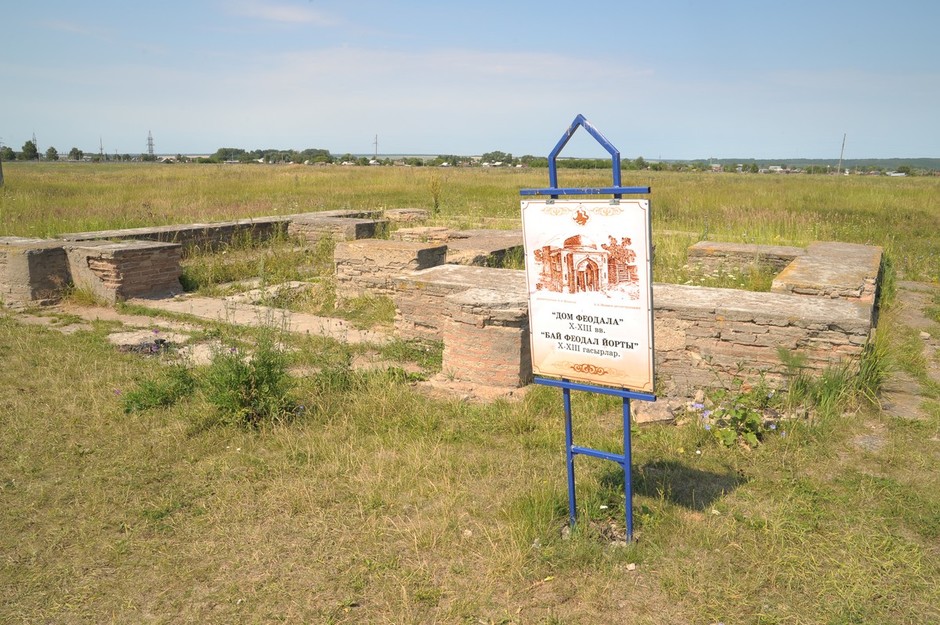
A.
x: 379, y: 504
x: 210, y: 271
x: 43, y: 199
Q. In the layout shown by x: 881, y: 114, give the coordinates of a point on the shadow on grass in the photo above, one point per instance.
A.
x: 675, y: 482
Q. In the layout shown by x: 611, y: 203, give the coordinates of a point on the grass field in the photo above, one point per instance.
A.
x: 900, y: 214
x: 379, y: 504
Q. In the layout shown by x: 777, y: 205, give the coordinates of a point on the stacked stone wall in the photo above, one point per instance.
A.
x: 421, y: 297
x: 119, y: 271
x: 203, y: 236
x: 370, y: 266
x: 834, y: 270
x: 32, y: 271
x: 711, y: 257
x: 709, y: 337
x: 406, y: 215
x: 486, y: 338
x: 314, y: 228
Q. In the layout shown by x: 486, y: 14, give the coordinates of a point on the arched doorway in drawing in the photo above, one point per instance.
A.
x: 588, y: 276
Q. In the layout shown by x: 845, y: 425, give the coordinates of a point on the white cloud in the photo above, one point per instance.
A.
x: 282, y: 13
x: 74, y: 28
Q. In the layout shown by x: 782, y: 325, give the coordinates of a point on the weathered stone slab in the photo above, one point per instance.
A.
x: 437, y: 234
x: 347, y: 213
x: 32, y: 271
x: 370, y: 266
x: 482, y: 247
x: 119, y: 271
x: 486, y: 338
x: 314, y: 228
x: 406, y: 215
x: 834, y: 270
x: 204, y: 235
x: 420, y: 296
x: 712, y: 256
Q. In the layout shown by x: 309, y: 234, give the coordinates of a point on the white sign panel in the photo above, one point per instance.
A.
x: 590, y: 290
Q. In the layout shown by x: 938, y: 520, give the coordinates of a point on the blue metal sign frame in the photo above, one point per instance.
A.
x: 572, y: 450
x: 554, y: 191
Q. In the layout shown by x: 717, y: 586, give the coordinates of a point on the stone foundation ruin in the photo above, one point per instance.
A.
x: 822, y: 303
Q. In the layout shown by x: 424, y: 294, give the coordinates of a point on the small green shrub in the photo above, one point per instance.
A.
x: 739, y: 415
x: 174, y: 383
x: 251, y: 390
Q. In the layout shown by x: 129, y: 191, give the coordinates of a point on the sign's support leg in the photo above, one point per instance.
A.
x: 627, y: 470
x: 569, y: 453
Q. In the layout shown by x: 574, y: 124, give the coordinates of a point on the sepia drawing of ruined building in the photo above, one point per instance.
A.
x: 582, y: 266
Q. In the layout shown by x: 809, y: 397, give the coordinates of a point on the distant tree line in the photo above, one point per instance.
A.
x: 31, y: 153
x: 271, y: 155
x: 496, y: 158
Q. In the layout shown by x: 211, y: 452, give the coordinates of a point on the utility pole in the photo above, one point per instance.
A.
x: 842, y: 153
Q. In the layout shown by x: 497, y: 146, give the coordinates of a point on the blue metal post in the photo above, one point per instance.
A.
x: 627, y: 469
x: 569, y: 455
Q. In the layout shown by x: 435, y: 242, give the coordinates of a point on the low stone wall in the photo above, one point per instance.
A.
x: 486, y: 338
x: 217, y: 234
x: 370, y: 266
x: 208, y: 236
x: 32, y: 271
x: 710, y: 257
x: 421, y: 297
x: 705, y: 337
x: 709, y: 337
x: 834, y: 270
x: 313, y: 228
x: 118, y: 271
x: 424, y: 234
x: 406, y: 215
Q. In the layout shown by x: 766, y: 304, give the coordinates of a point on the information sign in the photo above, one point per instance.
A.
x: 590, y: 293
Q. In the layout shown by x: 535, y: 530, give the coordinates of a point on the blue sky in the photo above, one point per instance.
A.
x: 661, y: 79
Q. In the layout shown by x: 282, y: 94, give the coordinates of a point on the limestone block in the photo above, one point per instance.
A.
x: 398, y: 215
x: 32, y: 271
x: 420, y: 296
x: 370, y: 266
x: 710, y: 256
x: 833, y: 270
x: 313, y: 228
x: 486, y: 338
x: 119, y: 271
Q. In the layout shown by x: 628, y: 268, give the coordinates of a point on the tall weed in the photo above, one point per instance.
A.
x: 252, y: 390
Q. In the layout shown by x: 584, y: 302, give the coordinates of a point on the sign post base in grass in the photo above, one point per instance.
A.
x: 572, y: 450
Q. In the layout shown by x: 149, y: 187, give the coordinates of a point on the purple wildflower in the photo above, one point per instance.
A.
x: 698, y: 405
